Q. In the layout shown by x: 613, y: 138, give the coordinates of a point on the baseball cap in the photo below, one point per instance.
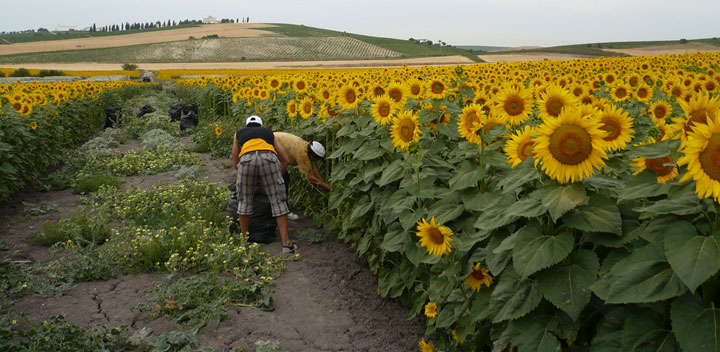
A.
x: 317, y: 149
x: 253, y: 119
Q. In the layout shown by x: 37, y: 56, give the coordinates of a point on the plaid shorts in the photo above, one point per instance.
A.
x: 261, y: 167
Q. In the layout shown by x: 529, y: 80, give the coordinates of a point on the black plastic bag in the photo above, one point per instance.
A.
x: 175, y: 111
x: 188, y: 120
x: 113, y: 116
x: 262, y: 223
x: 146, y: 109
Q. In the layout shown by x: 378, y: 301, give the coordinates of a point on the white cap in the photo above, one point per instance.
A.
x: 253, y: 119
x: 317, y: 149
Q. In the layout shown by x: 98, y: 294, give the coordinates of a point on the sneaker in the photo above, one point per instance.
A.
x: 293, y: 216
x: 289, y: 249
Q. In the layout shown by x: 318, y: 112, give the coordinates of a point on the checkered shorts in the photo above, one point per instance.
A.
x: 261, y: 167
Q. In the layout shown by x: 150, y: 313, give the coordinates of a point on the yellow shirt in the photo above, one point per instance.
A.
x: 296, y: 149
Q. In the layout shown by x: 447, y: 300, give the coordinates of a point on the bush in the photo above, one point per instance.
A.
x: 47, y: 73
x: 129, y: 67
x: 21, y: 72
x: 2, y: 74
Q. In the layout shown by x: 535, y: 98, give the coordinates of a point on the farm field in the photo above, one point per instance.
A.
x: 533, y: 206
x: 229, y: 30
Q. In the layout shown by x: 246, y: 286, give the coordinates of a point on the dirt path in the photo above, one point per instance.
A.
x: 325, y: 301
x: 256, y: 65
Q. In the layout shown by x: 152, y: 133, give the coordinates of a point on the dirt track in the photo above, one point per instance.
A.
x: 230, y: 30
x: 419, y: 61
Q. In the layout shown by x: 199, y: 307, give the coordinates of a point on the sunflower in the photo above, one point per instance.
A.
x: 619, y: 92
x: 659, y: 110
x: 306, y: 108
x: 291, y: 108
x: 398, y: 93
x: 415, y: 88
x: 377, y: 89
x: 33, y: 125
x: 218, y: 131
x: 405, y: 130
x: 26, y: 109
x: 553, y: 100
x: 425, y: 347
x: 644, y: 93
x: 619, y: 127
x: 570, y: 147
x: 520, y: 146
x: 513, y: 104
x: 701, y: 153
x: 434, y: 237
x: 300, y: 86
x: 471, y: 122
x: 436, y: 89
x: 663, y: 167
x: 348, y: 97
x: 698, y: 111
x: 431, y: 310
x: 478, y: 277
x: 382, y: 109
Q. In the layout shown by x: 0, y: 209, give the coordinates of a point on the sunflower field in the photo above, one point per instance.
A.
x: 39, y: 120
x: 544, y: 206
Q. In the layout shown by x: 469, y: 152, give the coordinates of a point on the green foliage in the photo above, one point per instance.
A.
x: 21, y: 72
x: 200, y: 300
x: 86, y: 227
x: 46, y: 73
x: 57, y: 334
x: 129, y: 67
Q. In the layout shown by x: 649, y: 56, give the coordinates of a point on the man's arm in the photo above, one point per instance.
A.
x: 284, y: 160
x: 235, y: 152
x: 316, y: 178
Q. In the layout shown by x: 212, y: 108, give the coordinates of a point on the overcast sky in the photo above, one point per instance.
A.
x: 457, y: 22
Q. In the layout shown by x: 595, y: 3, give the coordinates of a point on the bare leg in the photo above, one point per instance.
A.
x: 282, y: 222
x: 245, y: 223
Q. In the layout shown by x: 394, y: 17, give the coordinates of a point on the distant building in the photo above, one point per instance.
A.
x: 210, y: 19
x: 59, y: 28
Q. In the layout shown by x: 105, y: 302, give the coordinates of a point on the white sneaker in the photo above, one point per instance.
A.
x: 293, y: 216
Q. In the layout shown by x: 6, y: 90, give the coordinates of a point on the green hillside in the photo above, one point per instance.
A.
x: 596, y: 49
x: 288, y: 42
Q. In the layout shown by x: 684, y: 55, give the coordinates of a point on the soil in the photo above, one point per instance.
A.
x: 325, y: 301
x: 228, y: 30
x: 688, y: 48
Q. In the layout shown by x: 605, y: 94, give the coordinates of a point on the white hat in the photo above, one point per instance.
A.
x: 317, y: 149
x: 253, y: 119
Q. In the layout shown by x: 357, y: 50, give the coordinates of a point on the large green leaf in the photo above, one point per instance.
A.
x: 643, y: 333
x: 568, y: 286
x: 685, y: 204
x: 644, y: 276
x: 529, y: 207
x: 694, y: 258
x: 653, y: 150
x: 513, y: 297
x: 466, y: 176
x: 643, y: 185
x: 363, y: 205
x: 499, y: 252
x: 609, y: 332
x: 395, y: 171
x: 535, y: 333
x: 496, y: 216
x: 476, y: 201
x: 696, y: 326
x: 599, y: 215
x: 520, y: 175
x: 535, y: 251
x: 560, y: 199
x: 395, y: 238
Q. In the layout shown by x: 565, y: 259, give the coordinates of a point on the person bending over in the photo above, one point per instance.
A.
x: 260, y: 162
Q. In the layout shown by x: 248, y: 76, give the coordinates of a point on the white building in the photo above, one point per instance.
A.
x: 210, y: 19
x: 60, y: 28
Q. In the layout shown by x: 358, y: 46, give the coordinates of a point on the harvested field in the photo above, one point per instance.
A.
x: 689, y: 48
x: 491, y: 58
x: 229, y: 30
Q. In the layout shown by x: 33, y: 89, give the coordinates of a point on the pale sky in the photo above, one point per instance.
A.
x: 456, y: 22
